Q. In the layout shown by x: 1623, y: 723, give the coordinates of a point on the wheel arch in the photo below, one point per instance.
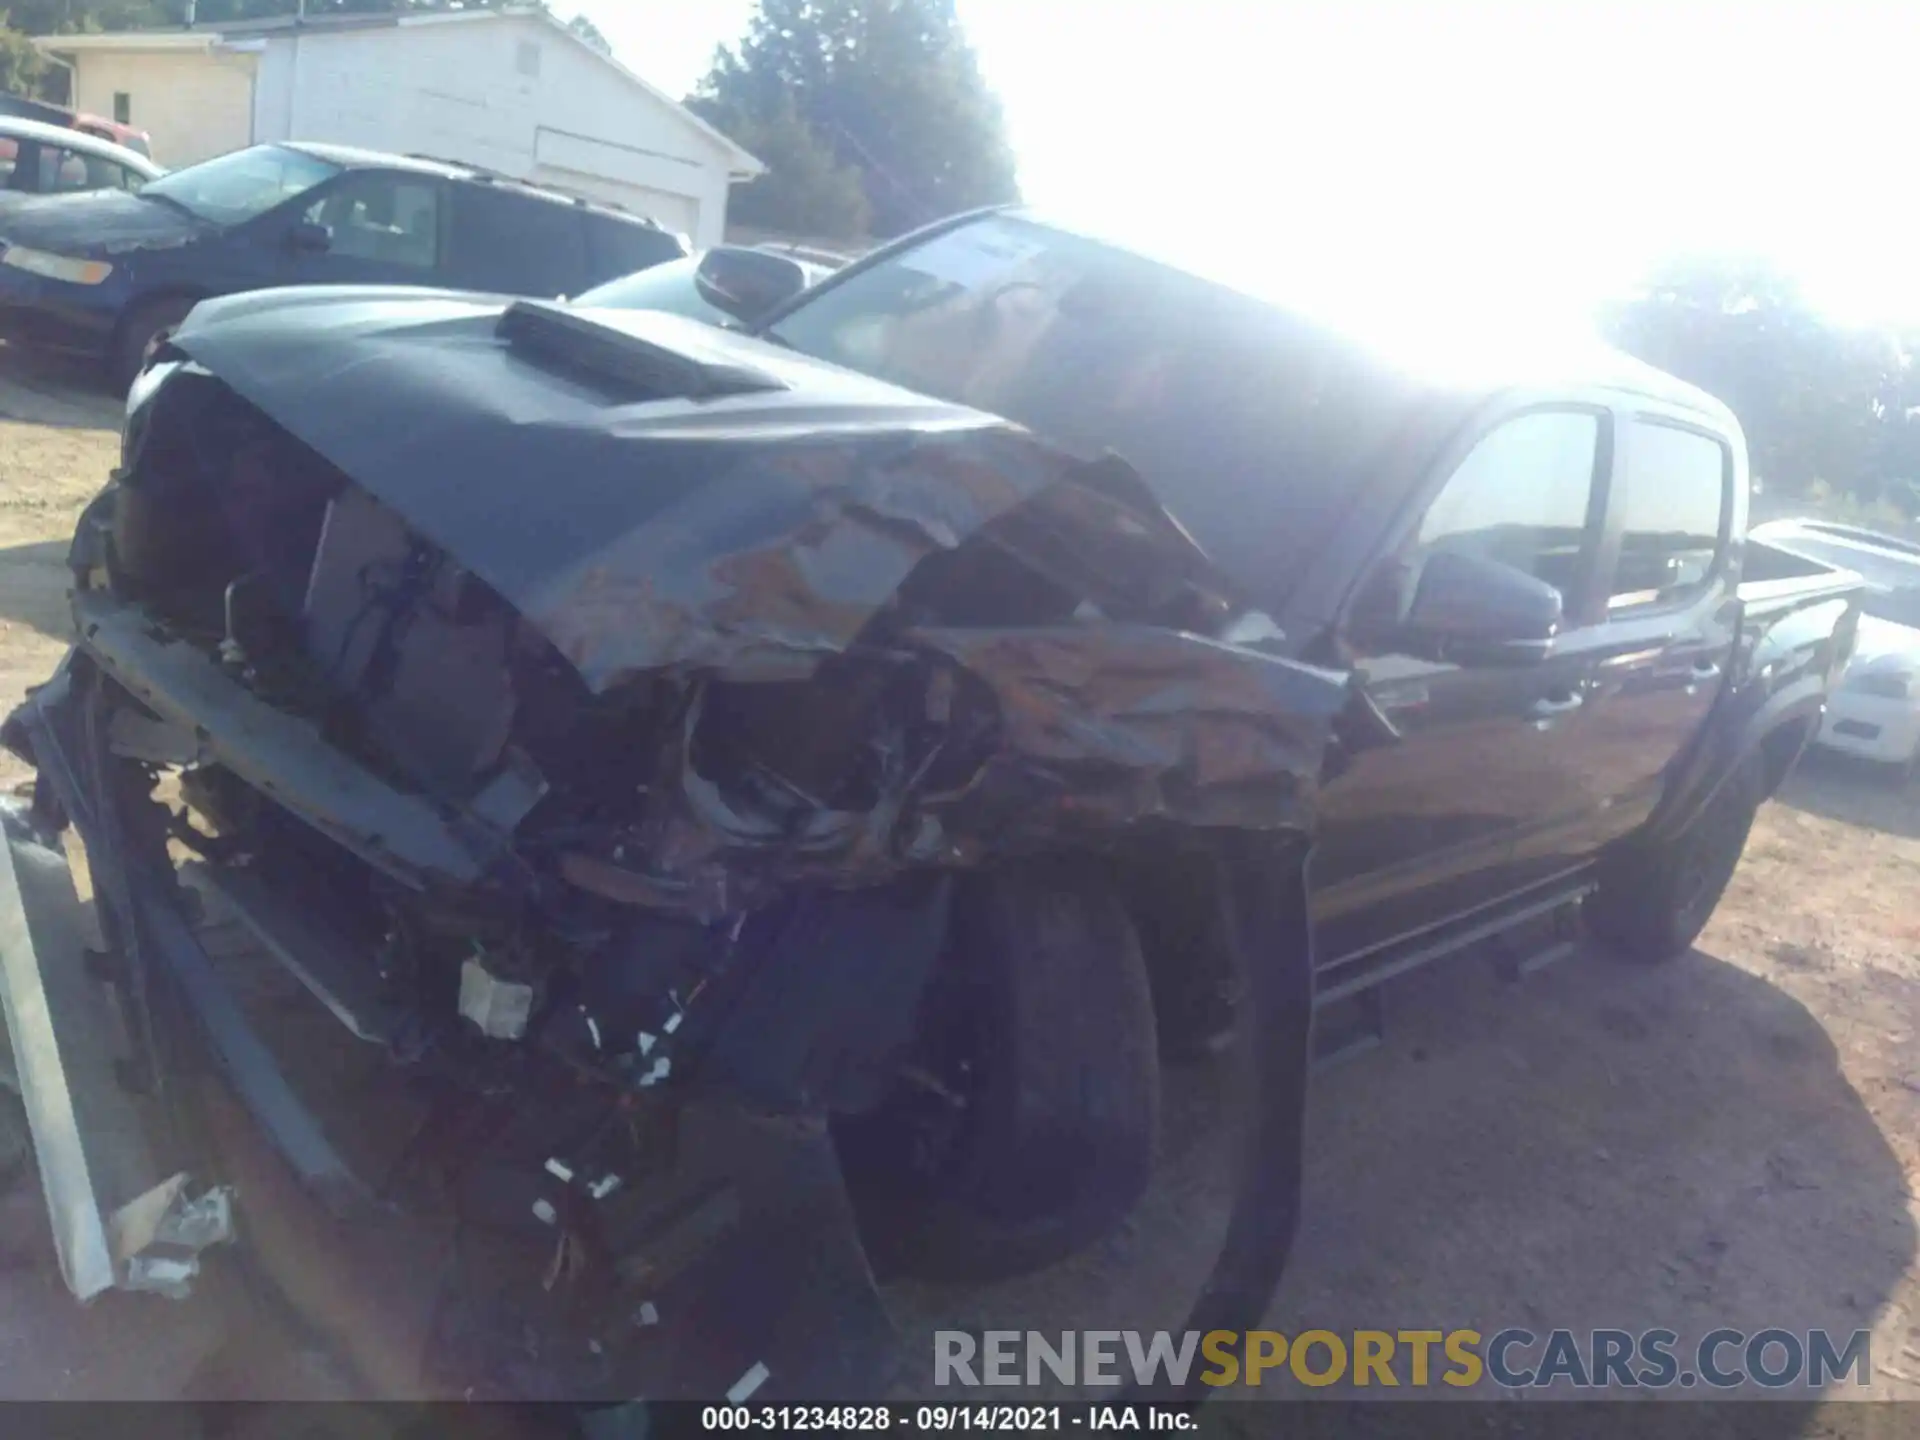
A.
x: 1777, y: 731
x: 146, y: 300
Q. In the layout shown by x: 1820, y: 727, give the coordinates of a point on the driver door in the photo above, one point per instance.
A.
x: 1448, y: 761
x: 379, y: 227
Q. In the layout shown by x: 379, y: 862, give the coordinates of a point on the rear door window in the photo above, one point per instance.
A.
x: 617, y: 246
x: 517, y: 243
x: 1672, y: 497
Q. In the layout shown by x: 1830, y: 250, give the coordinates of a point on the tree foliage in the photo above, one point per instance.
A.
x: 54, y: 17
x: 21, y: 66
x: 888, y: 89
x: 62, y: 17
x: 219, y: 12
x: 806, y: 190
x: 590, y: 32
x: 1822, y: 404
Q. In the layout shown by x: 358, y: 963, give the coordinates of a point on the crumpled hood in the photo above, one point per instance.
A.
x: 796, y: 516
x: 748, y: 534
x: 97, y: 222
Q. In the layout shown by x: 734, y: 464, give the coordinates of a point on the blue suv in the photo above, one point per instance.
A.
x: 108, y: 275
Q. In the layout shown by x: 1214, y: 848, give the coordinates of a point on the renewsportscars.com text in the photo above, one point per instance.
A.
x: 1515, y: 1358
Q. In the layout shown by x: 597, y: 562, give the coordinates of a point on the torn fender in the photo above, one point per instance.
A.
x: 1113, y: 725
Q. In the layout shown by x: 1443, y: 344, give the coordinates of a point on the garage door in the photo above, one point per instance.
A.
x: 678, y: 213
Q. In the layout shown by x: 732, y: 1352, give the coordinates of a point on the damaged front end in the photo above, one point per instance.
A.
x: 592, y: 720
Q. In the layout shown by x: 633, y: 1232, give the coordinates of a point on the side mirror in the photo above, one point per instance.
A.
x: 746, y: 284
x: 1472, y: 609
x: 309, y: 238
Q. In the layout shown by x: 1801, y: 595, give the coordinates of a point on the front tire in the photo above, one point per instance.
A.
x: 1908, y: 770
x: 1655, y: 898
x: 145, y: 329
x: 1032, y: 1129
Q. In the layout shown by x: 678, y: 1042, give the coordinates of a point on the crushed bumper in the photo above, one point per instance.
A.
x: 118, y: 1221
x: 123, y: 1220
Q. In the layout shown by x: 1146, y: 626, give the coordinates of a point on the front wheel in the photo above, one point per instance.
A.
x: 1028, y: 1126
x: 1655, y: 898
x: 1908, y: 770
x: 146, y: 328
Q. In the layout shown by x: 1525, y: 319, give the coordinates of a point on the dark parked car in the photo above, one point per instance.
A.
x: 106, y: 275
x: 784, y: 814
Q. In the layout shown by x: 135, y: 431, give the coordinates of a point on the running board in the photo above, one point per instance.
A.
x: 1361, y: 1026
x: 1350, y: 1013
x: 1355, y: 975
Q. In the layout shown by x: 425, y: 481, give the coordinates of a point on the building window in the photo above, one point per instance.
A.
x: 528, y: 59
x: 122, y: 108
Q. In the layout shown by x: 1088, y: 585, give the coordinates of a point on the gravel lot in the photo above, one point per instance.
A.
x: 1730, y: 1140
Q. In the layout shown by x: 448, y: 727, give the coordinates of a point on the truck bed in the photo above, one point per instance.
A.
x: 1774, y: 580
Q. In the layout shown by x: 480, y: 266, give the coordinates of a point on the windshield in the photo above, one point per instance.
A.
x: 1901, y: 607
x: 667, y: 287
x: 1250, y: 424
x: 233, y: 188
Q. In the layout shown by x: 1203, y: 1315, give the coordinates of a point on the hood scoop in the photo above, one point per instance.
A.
x: 625, y: 365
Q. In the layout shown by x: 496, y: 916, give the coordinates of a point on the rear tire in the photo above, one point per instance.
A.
x: 1041, y: 1034
x: 1655, y: 898
x: 146, y: 327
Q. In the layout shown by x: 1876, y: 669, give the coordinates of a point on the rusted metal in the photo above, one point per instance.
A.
x: 1111, y: 725
x: 782, y: 560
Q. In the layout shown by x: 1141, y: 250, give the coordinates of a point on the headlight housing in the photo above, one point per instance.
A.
x: 47, y: 265
x: 1888, y: 684
x: 140, y: 404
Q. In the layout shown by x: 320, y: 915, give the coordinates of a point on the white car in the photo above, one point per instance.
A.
x: 37, y: 159
x: 1874, y: 712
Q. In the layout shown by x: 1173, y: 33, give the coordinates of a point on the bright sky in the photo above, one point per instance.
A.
x: 1545, y: 151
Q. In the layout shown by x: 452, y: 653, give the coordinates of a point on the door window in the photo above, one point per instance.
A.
x: 1673, y: 490
x: 617, y: 247
x: 388, y: 219
x: 62, y: 170
x: 521, y: 244
x: 1523, y: 496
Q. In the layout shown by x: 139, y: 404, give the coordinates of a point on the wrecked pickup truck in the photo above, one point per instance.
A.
x: 761, y: 809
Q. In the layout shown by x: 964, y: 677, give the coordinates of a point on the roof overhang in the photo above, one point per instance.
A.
x: 125, y: 40
x: 741, y: 165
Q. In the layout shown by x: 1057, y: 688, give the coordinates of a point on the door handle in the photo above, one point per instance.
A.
x: 1555, y: 705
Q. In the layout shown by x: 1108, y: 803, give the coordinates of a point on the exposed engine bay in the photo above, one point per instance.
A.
x: 671, y: 814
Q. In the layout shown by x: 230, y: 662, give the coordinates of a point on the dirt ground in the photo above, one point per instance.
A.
x: 1731, y: 1140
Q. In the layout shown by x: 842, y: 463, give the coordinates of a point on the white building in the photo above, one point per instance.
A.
x: 512, y: 91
